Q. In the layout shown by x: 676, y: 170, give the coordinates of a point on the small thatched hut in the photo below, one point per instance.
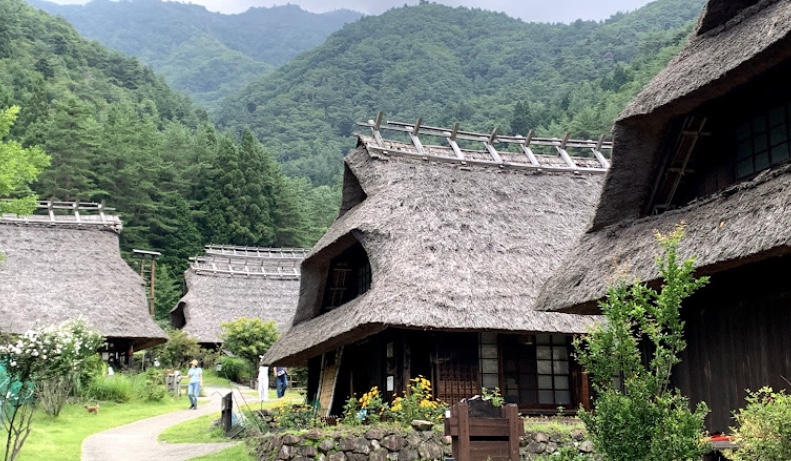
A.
x: 231, y: 282
x: 64, y: 266
x: 433, y: 266
x: 707, y: 143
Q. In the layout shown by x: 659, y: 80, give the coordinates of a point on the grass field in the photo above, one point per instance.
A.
x: 240, y: 452
x: 60, y: 439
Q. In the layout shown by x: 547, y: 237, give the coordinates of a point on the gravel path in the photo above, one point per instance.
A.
x: 138, y: 441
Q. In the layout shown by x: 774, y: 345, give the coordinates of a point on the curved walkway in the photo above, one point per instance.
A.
x: 138, y: 441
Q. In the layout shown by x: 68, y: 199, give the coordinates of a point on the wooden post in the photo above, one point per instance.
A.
x: 151, y: 298
x: 461, y: 448
x: 515, y: 430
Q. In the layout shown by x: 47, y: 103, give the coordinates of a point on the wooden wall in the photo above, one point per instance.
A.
x: 739, y: 337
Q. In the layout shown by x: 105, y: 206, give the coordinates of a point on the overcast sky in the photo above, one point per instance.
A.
x: 529, y: 10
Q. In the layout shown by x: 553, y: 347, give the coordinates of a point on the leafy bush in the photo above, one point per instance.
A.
x: 764, y: 431
x: 236, y: 369
x: 249, y: 338
x: 92, y: 368
x: 208, y: 357
x: 648, y: 420
x: 118, y: 388
x: 150, y: 386
x: 295, y: 417
x: 178, y: 351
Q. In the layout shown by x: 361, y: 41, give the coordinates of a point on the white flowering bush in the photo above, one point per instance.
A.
x: 42, y: 363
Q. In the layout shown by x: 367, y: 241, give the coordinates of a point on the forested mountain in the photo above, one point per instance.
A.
x: 448, y: 65
x: 118, y: 133
x: 207, y: 55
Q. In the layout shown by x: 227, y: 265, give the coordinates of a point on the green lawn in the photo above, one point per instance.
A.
x: 202, y: 430
x: 240, y: 452
x: 60, y: 439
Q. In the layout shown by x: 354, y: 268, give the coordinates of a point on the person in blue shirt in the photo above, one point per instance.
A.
x: 196, y: 382
x: 281, y: 375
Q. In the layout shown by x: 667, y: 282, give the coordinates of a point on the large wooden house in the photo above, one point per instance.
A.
x: 433, y: 266
x: 230, y: 282
x: 707, y: 143
x: 63, y: 263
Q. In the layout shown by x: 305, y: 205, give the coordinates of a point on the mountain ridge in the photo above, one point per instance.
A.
x: 205, y: 54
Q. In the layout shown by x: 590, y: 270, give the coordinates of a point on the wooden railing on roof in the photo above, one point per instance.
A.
x: 453, y: 153
x: 277, y: 263
x: 256, y: 252
x: 73, y: 213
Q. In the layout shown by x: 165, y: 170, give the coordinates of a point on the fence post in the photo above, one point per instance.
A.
x: 226, y: 414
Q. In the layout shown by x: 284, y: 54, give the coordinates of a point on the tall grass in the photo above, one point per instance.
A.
x: 121, y: 388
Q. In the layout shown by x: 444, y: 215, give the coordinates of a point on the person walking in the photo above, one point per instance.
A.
x: 195, y: 374
x: 281, y: 376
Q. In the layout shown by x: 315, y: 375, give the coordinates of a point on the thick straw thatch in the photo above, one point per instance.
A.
x: 216, y: 297
x: 733, y: 227
x: 57, y: 272
x: 451, y: 247
x: 711, y: 65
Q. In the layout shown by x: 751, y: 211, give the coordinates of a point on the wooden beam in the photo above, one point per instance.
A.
x: 415, y: 140
x: 490, y: 147
x: 453, y: 144
x: 528, y: 151
x: 565, y: 156
x: 376, y: 127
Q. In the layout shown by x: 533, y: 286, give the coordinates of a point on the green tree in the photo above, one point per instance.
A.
x: 71, y: 136
x: 19, y: 167
x: 647, y: 419
x: 178, y: 350
x: 249, y: 338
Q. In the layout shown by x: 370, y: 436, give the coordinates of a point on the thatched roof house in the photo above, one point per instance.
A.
x: 683, y: 121
x: 230, y: 282
x: 442, y: 239
x: 63, y: 266
x: 706, y: 143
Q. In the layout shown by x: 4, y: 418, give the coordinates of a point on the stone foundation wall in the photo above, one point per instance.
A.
x: 374, y: 444
x: 535, y: 444
x: 393, y: 444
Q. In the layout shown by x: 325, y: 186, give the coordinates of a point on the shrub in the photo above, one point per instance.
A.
x: 295, y: 417
x: 236, y: 369
x: 93, y: 368
x: 178, y: 351
x: 648, y: 420
x: 249, y: 338
x: 764, y: 431
x: 116, y: 388
x: 150, y: 386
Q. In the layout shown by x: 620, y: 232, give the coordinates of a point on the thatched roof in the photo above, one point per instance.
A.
x: 55, y: 272
x: 453, y: 246
x: 723, y: 231
x: 228, y: 283
x: 737, y: 43
x: 712, y: 64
